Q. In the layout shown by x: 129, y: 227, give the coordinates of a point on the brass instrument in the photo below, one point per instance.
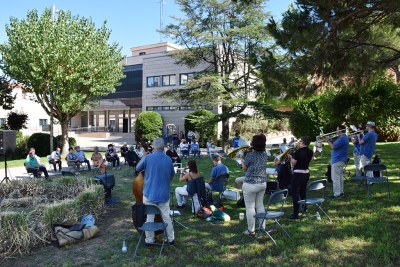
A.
x: 352, y: 134
x: 327, y: 136
x: 239, y: 153
x: 285, y: 155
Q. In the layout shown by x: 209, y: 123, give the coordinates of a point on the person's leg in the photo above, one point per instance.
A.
x: 208, y: 186
x: 249, y: 194
x: 53, y: 162
x: 364, y: 162
x: 34, y: 172
x: 88, y: 164
x: 305, y: 177
x: 259, y: 201
x: 296, y: 183
x: 357, y: 163
x: 165, y: 214
x: 44, y: 170
x: 150, y: 218
x: 337, y: 173
x: 113, y: 162
x: 59, y: 165
x: 180, y: 195
x: 117, y: 159
x: 239, y: 181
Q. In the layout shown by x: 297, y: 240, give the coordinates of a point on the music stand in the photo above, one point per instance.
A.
x: 173, y: 213
x: 6, y: 178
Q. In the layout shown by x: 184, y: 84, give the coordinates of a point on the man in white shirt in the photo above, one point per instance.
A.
x: 55, y: 159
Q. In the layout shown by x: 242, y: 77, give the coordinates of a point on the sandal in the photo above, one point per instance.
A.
x: 248, y: 232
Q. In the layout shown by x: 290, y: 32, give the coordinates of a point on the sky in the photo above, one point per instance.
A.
x: 132, y: 23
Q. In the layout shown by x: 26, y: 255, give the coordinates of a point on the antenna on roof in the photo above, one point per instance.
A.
x: 161, y: 17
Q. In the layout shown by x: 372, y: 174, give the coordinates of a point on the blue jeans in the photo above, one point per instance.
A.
x: 195, y: 152
x: 185, y: 152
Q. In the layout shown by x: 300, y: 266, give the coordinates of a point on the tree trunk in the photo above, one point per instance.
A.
x: 225, y: 131
x: 64, y: 133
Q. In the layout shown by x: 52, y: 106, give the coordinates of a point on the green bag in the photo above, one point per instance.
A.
x: 221, y: 216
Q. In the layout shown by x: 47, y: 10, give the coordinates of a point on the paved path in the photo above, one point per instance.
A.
x: 88, y: 144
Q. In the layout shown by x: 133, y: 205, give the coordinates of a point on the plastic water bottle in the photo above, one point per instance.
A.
x: 124, y: 249
x: 318, y: 216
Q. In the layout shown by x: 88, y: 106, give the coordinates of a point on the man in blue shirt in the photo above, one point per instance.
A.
x: 235, y: 140
x: 367, y: 145
x: 194, y: 148
x: 216, y: 171
x: 338, y: 159
x: 356, y: 150
x: 159, y: 172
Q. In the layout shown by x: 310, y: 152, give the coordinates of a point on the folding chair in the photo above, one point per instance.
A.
x: 314, y: 186
x: 369, y: 181
x: 197, y: 192
x: 51, y: 166
x: 219, y: 184
x: 151, y: 226
x: 277, y: 197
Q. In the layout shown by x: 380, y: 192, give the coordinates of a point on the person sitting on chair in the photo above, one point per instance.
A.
x: 171, y: 152
x: 188, y: 174
x: 72, y: 161
x: 32, y: 165
x: 213, y: 150
x: 80, y: 155
x: 124, y: 151
x: 216, y: 171
x: 194, y: 148
x: 132, y: 158
x: 98, y: 160
x: 55, y: 159
x: 208, y: 145
x: 111, y: 156
x: 184, y: 146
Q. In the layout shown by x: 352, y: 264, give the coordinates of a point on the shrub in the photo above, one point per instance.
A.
x: 201, y: 121
x: 150, y: 123
x: 41, y: 143
x: 22, y: 148
x: 71, y: 141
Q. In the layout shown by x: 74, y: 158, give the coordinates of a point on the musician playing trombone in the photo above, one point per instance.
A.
x: 338, y: 159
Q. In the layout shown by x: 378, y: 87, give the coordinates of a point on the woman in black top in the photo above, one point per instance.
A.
x: 300, y: 161
x: 171, y: 152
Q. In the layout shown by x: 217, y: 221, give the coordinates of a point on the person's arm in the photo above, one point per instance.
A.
x: 183, y: 177
x: 364, y: 139
x: 293, y: 161
x: 211, y: 180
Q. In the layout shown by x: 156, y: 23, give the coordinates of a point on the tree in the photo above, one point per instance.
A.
x: 65, y: 62
x: 16, y: 120
x: 6, y: 97
x: 225, y: 37
x: 340, y: 40
x: 202, y: 121
x: 150, y: 125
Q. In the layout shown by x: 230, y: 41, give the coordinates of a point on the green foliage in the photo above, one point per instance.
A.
x: 224, y: 37
x: 65, y: 61
x: 202, y: 121
x: 16, y: 120
x: 6, y: 96
x: 41, y: 143
x: 340, y: 40
x: 71, y: 141
x: 22, y: 148
x: 150, y: 122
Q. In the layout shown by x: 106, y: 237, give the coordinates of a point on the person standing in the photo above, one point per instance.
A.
x: 175, y: 139
x: 339, y: 157
x: 159, y: 172
x: 300, y: 161
x: 235, y: 140
x: 255, y: 182
x: 190, y: 135
x: 367, y: 146
x: 356, y: 150
x: 55, y: 159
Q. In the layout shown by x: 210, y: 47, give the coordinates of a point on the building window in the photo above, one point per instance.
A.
x: 2, y: 121
x: 149, y: 108
x: 168, y: 80
x: 153, y: 81
x: 186, y: 77
x: 142, y: 53
x: 42, y: 122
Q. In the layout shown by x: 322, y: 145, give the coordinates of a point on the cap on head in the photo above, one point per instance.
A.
x: 125, y: 143
x: 371, y: 123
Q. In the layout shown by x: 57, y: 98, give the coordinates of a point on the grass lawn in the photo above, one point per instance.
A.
x: 363, y: 232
